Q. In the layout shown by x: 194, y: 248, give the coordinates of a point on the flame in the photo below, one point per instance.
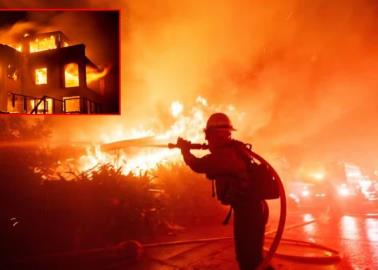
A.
x: 41, y: 76
x: 72, y: 104
x: 38, y: 45
x: 19, y: 48
x: 71, y: 75
x: 45, y: 106
x: 176, y: 108
x: 188, y: 123
x: 94, y: 75
x: 149, y: 159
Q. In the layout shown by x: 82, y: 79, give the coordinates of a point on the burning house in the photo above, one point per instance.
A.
x: 45, y: 74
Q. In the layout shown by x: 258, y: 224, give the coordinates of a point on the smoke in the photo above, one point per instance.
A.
x: 11, y: 34
x: 303, y: 72
x: 97, y: 30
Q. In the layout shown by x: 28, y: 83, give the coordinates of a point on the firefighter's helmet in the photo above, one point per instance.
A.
x: 219, y: 121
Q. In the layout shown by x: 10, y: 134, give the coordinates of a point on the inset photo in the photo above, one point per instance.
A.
x: 59, y: 62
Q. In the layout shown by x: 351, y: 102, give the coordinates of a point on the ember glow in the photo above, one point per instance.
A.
x: 176, y: 109
x: 38, y: 45
x: 71, y: 75
x: 94, y: 74
x: 41, y: 76
x: 42, y: 105
x: 148, y: 159
x: 19, y: 48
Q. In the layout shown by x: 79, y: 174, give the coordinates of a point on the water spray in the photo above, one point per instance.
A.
x: 146, y: 142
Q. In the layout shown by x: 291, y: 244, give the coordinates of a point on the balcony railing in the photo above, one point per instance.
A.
x: 18, y: 103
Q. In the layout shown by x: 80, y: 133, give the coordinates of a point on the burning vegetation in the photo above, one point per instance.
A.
x: 55, y: 211
x: 146, y: 152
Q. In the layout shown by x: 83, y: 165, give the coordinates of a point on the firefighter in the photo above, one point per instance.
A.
x: 226, y: 167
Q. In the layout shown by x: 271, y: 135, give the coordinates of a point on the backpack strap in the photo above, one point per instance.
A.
x: 244, y: 150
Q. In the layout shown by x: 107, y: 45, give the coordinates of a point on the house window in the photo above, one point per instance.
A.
x: 41, y: 76
x: 72, y: 104
x: 12, y: 73
x: 49, y: 104
x: 42, y: 44
x: 44, y: 105
x: 15, y: 104
x: 71, y: 75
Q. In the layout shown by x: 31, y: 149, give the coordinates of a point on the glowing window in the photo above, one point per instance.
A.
x: 15, y: 104
x: 12, y: 73
x: 71, y: 75
x: 72, y: 104
x: 41, y: 76
x: 42, y: 44
x: 44, y: 106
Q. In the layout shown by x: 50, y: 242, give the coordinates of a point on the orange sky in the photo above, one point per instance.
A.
x: 304, y: 72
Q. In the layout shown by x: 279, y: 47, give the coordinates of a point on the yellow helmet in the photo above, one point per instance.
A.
x: 219, y: 121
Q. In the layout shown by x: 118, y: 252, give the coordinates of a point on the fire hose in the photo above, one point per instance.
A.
x: 282, y: 219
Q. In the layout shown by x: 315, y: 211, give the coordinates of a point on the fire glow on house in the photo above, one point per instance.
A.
x: 44, y: 72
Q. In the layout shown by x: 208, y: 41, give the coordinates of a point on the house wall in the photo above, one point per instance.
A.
x: 8, y: 56
x: 54, y: 61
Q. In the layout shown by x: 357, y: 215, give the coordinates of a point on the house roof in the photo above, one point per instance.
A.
x: 46, y: 34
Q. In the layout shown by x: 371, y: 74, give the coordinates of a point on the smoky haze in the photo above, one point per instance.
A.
x: 90, y: 28
x: 304, y: 72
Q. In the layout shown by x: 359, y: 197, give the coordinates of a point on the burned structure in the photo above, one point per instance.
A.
x: 45, y: 75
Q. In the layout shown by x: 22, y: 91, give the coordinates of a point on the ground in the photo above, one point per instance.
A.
x: 350, y: 239
x: 354, y: 235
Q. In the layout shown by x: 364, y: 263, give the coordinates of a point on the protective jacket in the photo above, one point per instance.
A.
x: 226, y: 166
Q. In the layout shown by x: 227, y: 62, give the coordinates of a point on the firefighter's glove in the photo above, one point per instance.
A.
x: 183, y: 144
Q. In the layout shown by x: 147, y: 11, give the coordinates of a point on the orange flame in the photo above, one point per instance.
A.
x: 41, y: 76
x: 94, y: 75
x: 71, y: 75
x: 188, y: 123
x: 38, y: 45
x: 19, y: 48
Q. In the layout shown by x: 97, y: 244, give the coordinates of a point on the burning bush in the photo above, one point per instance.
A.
x: 97, y: 207
x: 53, y: 201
